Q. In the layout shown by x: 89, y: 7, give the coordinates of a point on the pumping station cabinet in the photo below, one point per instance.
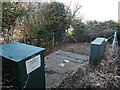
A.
x: 23, y: 63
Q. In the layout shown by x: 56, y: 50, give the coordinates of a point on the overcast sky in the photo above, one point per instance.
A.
x: 101, y: 10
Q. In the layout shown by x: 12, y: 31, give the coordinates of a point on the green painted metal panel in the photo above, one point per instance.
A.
x: 105, y: 44
x: 97, y: 51
x: 17, y: 65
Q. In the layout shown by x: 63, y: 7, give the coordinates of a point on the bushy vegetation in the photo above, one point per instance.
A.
x: 48, y: 24
x: 86, y: 32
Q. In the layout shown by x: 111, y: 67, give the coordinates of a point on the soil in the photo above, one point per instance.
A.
x: 102, y: 76
x: 78, y: 48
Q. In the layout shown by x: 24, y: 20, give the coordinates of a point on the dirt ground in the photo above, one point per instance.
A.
x: 102, y: 76
x: 78, y: 48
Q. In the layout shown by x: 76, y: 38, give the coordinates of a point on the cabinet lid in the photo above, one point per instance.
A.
x: 98, y: 41
x: 18, y: 51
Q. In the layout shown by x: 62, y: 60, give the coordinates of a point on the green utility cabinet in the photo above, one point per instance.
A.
x: 97, y: 50
x: 25, y: 63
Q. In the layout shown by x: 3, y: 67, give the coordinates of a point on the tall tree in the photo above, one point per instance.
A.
x: 57, y: 19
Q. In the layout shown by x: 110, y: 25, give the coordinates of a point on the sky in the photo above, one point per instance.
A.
x: 100, y: 10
